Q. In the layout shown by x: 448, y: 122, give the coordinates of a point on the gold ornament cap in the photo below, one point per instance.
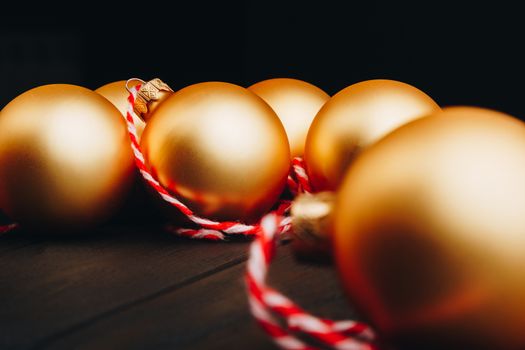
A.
x: 150, y: 96
x: 311, y: 222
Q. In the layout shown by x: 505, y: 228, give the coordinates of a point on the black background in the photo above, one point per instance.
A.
x: 459, y: 53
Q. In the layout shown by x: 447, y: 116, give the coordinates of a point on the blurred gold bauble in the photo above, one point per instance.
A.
x: 117, y: 94
x: 296, y: 103
x: 220, y: 148
x: 65, y: 159
x: 429, y: 232
x: 355, y: 118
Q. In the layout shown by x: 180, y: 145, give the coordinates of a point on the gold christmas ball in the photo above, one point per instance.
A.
x: 65, y: 159
x: 117, y: 94
x: 429, y: 232
x: 296, y: 103
x: 220, y: 148
x: 355, y: 118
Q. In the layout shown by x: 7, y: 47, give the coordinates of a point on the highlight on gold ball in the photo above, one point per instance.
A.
x: 296, y: 103
x: 220, y: 149
x: 355, y: 118
x: 429, y: 236
x: 66, y: 163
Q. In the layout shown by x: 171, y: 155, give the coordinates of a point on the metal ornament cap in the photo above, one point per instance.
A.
x: 312, y: 225
x: 150, y: 95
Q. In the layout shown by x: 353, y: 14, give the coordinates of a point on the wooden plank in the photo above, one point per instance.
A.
x: 54, y: 285
x: 211, y: 313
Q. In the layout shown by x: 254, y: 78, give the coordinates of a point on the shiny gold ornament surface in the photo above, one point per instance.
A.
x: 117, y: 94
x: 355, y: 118
x: 65, y: 159
x: 220, y: 148
x: 429, y: 232
x: 296, y: 103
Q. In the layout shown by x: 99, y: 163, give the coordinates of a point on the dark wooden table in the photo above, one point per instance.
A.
x: 140, y: 288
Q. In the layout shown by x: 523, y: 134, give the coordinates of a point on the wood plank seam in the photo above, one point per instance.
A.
x: 49, y: 340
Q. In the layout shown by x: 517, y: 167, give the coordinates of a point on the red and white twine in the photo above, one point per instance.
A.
x: 6, y: 228
x: 267, y: 304
x: 298, y: 179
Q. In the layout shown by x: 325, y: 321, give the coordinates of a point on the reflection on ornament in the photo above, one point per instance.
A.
x: 65, y: 158
x: 296, y: 103
x: 429, y: 232
x: 355, y: 118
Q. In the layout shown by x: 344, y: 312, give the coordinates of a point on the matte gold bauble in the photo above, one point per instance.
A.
x: 65, y: 159
x: 220, y: 148
x: 355, y: 118
x: 117, y: 94
x: 430, y: 232
x: 296, y: 103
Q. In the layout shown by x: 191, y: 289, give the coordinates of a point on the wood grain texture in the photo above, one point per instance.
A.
x: 54, y: 285
x: 211, y: 313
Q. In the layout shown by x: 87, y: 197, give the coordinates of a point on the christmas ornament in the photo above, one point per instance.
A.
x: 202, y: 228
x: 117, y: 94
x: 355, y: 118
x: 220, y: 148
x: 65, y: 158
x: 296, y: 103
x: 429, y: 235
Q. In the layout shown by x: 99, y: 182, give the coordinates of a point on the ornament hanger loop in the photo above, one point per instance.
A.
x: 142, y: 82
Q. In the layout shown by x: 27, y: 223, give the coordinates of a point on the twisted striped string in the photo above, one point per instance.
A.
x: 267, y: 305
